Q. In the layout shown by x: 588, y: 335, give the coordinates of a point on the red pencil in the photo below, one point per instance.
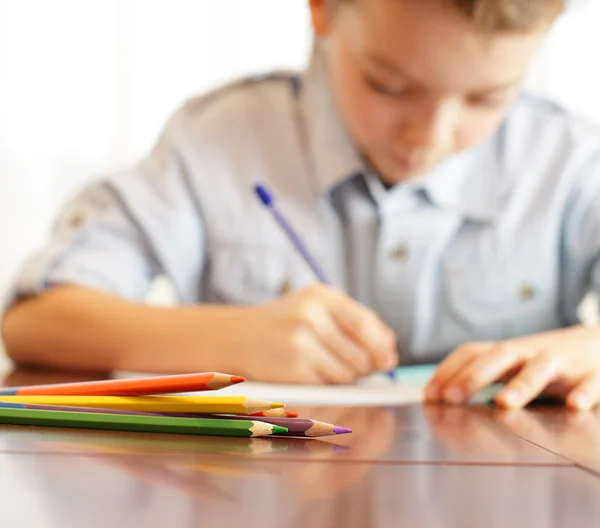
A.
x: 277, y: 412
x: 172, y: 384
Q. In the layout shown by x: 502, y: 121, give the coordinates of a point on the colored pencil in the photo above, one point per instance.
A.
x: 204, y: 381
x: 19, y: 415
x: 295, y: 426
x: 156, y: 404
x: 277, y: 412
x: 100, y: 410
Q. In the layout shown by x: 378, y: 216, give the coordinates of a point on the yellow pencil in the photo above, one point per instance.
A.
x: 157, y: 404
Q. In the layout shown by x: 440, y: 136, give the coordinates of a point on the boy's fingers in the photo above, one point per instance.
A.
x: 451, y: 366
x: 337, y: 342
x: 365, y: 328
x: 587, y: 394
x: 537, y: 373
x: 331, y: 369
x: 481, y: 372
x: 318, y: 361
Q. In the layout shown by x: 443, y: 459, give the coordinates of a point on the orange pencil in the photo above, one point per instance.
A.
x: 204, y: 381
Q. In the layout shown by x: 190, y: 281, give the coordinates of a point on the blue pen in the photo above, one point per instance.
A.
x: 267, y: 199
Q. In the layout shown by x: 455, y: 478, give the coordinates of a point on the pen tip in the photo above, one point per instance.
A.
x: 263, y: 194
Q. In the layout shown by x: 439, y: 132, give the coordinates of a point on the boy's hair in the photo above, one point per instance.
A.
x: 498, y: 16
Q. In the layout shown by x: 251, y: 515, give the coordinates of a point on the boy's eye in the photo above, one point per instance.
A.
x: 383, y: 89
x: 488, y: 102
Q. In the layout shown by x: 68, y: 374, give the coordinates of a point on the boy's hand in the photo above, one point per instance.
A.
x: 316, y: 335
x: 564, y: 364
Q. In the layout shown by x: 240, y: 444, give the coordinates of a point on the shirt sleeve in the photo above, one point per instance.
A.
x: 580, y: 263
x: 119, y: 233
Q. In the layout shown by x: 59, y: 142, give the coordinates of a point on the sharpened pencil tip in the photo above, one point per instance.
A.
x: 277, y: 405
x: 237, y: 379
x: 341, y: 430
x: 277, y: 429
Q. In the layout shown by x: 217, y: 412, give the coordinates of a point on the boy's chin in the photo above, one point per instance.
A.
x: 396, y: 175
x: 393, y: 170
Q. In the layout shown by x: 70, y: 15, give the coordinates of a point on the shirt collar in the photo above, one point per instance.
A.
x: 468, y: 183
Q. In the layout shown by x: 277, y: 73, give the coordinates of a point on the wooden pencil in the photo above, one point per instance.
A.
x: 204, y: 381
x: 277, y: 412
x: 295, y: 426
x: 155, y: 404
x: 100, y: 410
x: 19, y: 415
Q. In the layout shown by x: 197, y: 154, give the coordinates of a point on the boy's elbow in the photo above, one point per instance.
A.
x: 17, y: 331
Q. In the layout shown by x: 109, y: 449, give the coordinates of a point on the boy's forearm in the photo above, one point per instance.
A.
x: 76, y: 328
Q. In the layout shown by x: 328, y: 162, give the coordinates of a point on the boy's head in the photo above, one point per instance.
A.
x: 418, y: 80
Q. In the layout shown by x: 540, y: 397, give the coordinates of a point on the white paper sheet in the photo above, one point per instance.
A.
x: 374, y: 390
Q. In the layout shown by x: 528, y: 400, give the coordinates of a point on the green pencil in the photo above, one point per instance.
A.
x: 144, y: 424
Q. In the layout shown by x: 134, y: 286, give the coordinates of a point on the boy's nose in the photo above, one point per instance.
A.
x: 429, y: 126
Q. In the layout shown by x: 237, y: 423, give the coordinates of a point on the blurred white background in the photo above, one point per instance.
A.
x: 86, y: 85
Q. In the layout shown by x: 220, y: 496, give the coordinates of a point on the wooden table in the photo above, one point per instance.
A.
x: 413, y: 466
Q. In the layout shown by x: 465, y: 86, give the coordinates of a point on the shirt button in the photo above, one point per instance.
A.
x: 399, y: 253
x: 76, y: 220
x: 527, y: 292
x: 285, y: 287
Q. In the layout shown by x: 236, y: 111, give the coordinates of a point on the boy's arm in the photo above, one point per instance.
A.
x: 71, y: 327
x: 317, y: 335
x: 114, y: 237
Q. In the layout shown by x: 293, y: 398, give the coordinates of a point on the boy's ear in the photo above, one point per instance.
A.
x: 320, y: 11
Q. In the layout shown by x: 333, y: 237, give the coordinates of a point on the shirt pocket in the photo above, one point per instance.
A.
x: 243, y: 273
x: 495, y: 301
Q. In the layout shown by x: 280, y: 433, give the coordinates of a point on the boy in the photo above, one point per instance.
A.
x: 455, y: 216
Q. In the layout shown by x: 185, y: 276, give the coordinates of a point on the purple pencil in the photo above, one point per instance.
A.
x: 295, y: 426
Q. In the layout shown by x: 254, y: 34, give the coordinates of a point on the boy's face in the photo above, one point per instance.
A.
x: 414, y: 81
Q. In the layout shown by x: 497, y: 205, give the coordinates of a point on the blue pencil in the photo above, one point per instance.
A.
x: 267, y: 199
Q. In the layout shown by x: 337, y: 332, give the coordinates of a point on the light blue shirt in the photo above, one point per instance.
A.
x: 499, y: 241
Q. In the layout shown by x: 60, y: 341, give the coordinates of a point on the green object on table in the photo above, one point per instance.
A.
x: 145, y: 424
x: 414, y: 373
x: 421, y: 374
